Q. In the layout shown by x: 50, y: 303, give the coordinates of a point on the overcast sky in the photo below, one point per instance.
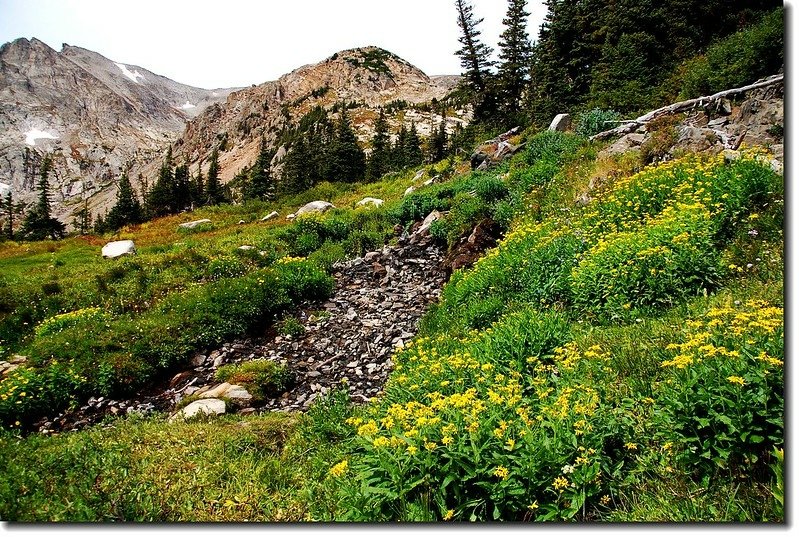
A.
x: 230, y: 43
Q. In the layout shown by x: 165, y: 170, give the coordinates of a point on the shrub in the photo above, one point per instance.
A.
x: 263, y: 379
x: 225, y: 267
x: 292, y: 327
x: 736, y: 60
x: 595, y: 121
x: 57, y: 323
x: 120, y: 356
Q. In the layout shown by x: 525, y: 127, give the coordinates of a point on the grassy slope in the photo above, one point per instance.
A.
x: 473, y: 454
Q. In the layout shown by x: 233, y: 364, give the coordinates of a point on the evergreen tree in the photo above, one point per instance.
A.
x: 298, y: 172
x: 198, y: 188
x: 346, y: 159
x: 412, y: 148
x: 475, y: 55
x: 160, y: 199
x: 437, y: 143
x: 213, y: 191
x: 99, y: 224
x: 398, y: 157
x: 181, y: 190
x: 83, y: 219
x: 127, y: 210
x: 260, y: 185
x: 39, y: 225
x: 515, y: 54
x: 380, y: 157
x: 9, y: 209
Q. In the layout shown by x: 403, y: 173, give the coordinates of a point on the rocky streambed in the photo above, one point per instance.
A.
x: 347, y: 341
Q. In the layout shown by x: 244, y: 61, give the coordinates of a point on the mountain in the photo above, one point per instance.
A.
x: 365, y: 79
x: 93, y: 114
x: 97, y: 116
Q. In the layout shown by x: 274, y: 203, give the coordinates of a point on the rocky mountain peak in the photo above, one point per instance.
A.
x: 94, y: 115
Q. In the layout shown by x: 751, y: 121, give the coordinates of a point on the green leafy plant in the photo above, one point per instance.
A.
x: 263, y: 379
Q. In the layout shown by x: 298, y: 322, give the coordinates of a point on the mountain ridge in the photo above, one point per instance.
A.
x: 98, y: 117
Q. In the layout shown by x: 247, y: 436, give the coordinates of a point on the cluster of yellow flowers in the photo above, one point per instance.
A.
x: 725, y: 331
x: 288, y: 259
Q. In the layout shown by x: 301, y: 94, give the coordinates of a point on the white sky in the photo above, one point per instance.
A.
x: 230, y: 43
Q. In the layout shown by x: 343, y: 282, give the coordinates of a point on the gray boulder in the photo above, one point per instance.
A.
x: 192, y: 225
x: 561, y: 123
x: 315, y: 207
x: 118, y: 248
x: 207, y: 407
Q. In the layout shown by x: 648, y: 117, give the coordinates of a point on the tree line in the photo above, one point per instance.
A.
x: 624, y: 55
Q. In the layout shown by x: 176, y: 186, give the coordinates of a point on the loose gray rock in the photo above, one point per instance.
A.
x: 194, y: 224
x: 270, y: 216
x: 370, y: 201
x: 315, y: 207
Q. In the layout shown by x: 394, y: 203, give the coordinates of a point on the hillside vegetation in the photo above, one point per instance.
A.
x: 596, y: 358
x: 617, y: 357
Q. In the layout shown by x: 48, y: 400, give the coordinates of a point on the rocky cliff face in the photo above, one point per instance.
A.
x: 365, y: 78
x: 92, y: 114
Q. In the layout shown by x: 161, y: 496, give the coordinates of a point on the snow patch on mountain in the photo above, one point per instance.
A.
x: 133, y: 75
x: 4, y: 190
x: 187, y: 105
x: 35, y: 134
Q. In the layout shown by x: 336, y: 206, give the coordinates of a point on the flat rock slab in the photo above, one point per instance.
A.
x: 192, y: 225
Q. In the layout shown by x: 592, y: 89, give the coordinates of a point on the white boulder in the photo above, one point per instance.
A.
x: 370, y: 201
x: 315, y: 207
x: 118, y: 248
x: 270, y: 216
x: 207, y: 407
x: 4, y: 190
x: 192, y: 225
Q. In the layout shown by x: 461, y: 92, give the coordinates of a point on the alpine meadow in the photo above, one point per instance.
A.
x: 548, y: 288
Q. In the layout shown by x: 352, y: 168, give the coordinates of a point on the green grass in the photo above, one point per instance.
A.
x: 265, y: 468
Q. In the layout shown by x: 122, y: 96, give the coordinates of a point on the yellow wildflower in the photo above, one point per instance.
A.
x: 736, y: 380
x: 340, y: 469
x: 501, y: 472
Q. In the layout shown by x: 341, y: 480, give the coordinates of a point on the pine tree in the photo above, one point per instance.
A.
x: 83, y: 219
x: 181, y: 190
x: 398, y: 157
x: 380, y: 157
x: 127, y: 210
x: 260, y: 185
x: 437, y: 143
x: 160, y: 199
x: 412, y: 148
x: 39, y: 225
x: 475, y: 56
x: 10, y: 210
x: 198, y: 188
x: 346, y: 159
x: 515, y: 53
x: 297, y: 167
x: 213, y: 191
